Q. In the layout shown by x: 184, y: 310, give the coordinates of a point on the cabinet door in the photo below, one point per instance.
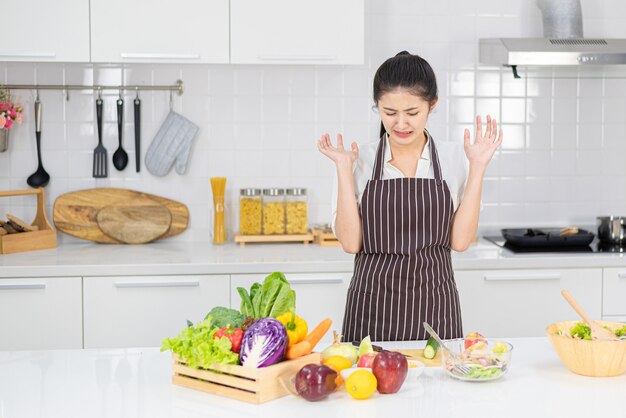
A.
x: 522, y: 303
x: 187, y: 31
x: 297, y: 31
x: 318, y: 296
x: 38, y: 314
x: 44, y: 30
x: 139, y: 311
x: 614, y: 291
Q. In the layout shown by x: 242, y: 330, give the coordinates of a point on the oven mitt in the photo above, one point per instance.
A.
x: 171, y: 145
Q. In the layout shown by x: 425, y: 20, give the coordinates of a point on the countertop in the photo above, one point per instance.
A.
x: 136, y: 383
x: 163, y: 257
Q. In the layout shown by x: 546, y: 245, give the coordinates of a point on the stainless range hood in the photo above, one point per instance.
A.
x: 552, y: 52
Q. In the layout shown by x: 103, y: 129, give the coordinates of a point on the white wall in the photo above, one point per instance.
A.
x: 563, y: 160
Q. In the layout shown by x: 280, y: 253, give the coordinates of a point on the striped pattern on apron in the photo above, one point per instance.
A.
x: 403, y: 275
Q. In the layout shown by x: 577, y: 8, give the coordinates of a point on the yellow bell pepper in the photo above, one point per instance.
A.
x: 297, y: 328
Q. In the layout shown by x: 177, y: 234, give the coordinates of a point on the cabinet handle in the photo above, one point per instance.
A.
x: 315, y: 281
x: 160, y: 56
x: 621, y: 275
x: 28, y: 54
x: 526, y: 276
x: 22, y: 286
x: 297, y: 57
x: 156, y: 284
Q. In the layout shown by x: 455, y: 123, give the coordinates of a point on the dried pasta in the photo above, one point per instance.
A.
x: 273, y: 218
x: 250, y: 216
x: 297, y: 218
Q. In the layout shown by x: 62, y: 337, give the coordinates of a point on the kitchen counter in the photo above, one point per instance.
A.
x: 90, y: 259
x: 136, y: 383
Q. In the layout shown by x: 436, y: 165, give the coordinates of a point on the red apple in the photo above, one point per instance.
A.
x: 472, y: 339
x: 316, y: 381
x: 390, y: 369
x: 366, y: 360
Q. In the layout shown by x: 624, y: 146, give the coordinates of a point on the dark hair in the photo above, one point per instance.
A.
x: 407, y: 71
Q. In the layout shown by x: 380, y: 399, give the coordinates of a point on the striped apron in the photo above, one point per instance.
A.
x: 403, y: 274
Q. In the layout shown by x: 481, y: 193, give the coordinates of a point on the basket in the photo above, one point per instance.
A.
x: 44, y: 238
x: 238, y: 382
x: 596, y: 358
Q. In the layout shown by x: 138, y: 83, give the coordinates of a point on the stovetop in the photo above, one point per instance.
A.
x: 595, y: 247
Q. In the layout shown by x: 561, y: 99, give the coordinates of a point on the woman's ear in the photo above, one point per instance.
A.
x: 433, y: 104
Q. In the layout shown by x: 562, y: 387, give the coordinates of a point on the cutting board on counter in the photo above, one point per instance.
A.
x: 418, y: 354
x: 113, y: 216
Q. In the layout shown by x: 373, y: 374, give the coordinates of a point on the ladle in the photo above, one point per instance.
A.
x: 39, y: 178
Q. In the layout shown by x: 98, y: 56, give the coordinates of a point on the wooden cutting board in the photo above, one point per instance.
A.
x: 419, y: 356
x: 139, y: 222
x: 76, y: 213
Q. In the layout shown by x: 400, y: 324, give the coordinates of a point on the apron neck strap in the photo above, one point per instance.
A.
x: 377, y: 173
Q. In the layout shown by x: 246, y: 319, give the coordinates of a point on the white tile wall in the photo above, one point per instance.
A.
x: 565, y: 137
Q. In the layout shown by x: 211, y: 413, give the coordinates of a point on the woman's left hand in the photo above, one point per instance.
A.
x: 485, y: 145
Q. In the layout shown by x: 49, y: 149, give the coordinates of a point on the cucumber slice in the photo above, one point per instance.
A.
x: 431, y: 349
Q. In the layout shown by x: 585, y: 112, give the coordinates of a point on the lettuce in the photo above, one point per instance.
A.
x: 272, y: 298
x: 199, y: 347
x: 581, y: 331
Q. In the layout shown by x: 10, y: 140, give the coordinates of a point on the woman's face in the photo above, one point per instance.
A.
x: 404, y: 115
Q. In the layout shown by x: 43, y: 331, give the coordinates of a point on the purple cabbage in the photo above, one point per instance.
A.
x: 264, y: 343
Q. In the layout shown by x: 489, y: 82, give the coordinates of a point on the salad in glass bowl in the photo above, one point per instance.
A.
x: 476, y: 359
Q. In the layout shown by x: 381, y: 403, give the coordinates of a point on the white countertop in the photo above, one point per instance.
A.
x: 163, y: 257
x: 136, y: 383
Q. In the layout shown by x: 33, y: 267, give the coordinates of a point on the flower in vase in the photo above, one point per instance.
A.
x: 10, y: 113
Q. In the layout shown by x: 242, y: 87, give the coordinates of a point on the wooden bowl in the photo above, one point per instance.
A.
x: 597, y: 358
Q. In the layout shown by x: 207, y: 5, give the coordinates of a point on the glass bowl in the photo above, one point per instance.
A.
x: 480, y: 364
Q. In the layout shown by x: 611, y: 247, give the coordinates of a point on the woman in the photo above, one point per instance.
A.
x: 401, y: 205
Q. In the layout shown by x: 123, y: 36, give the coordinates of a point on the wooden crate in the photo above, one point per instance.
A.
x: 238, y: 382
x: 45, y: 237
x: 242, y: 240
x: 325, y: 237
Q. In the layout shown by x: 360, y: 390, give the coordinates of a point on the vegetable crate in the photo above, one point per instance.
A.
x: 238, y: 382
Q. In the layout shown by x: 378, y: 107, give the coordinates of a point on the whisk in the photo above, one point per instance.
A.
x: 218, y: 186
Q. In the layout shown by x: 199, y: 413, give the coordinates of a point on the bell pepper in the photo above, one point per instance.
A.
x: 234, y: 335
x: 297, y: 328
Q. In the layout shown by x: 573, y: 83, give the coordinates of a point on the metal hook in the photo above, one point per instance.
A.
x: 37, y: 94
x: 99, y: 92
x: 121, y: 93
x: 67, y: 95
x: 137, y: 92
x: 171, y: 100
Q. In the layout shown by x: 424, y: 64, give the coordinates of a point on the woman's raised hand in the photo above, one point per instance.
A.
x: 341, y: 156
x: 485, y: 145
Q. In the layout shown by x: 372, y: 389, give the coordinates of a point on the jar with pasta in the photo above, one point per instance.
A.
x: 296, y: 203
x: 273, y: 211
x: 250, y: 212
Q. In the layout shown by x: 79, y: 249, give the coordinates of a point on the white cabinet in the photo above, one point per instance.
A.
x: 614, y: 292
x: 38, y: 314
x: 139, y: 311
x: 44, y: 30
x: 193, y: 31
x: 318, y: 295
x: 297, y: 31
x: 522, y: 303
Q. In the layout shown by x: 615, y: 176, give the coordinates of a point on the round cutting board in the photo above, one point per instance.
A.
x: 134, y: 224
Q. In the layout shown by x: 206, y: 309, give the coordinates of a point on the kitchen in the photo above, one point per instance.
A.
x: 561, y: 164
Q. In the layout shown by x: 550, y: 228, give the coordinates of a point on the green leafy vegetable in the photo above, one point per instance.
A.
x: 272, y: 298
x: 225, y: 316
x: 620, y: 332
x: 581, y: 331
x: 199, y: 347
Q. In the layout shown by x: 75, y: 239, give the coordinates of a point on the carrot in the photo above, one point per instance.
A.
x: 318, y: 332
x: 298, y: 350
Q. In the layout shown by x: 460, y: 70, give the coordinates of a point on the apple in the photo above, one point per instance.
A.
x: 390, y: 369
x: 316, y: 381
x: 366, y: 360
x: 472, y: 339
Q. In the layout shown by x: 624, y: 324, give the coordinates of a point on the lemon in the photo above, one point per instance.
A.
x: 500, y: 347
x: 361, y: 384
x: 337, y: 363
x: 366, y: 346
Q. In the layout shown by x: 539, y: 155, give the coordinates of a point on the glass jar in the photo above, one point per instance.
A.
x: 273, y: 211
x: 250, y: 212
x: 296, y: 202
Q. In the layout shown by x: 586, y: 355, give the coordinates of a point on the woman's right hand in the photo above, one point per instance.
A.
x: 343, y: 158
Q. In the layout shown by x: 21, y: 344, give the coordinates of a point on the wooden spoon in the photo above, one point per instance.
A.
x: 597, y: 330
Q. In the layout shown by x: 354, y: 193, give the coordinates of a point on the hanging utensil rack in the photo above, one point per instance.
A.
x: 178, y: 87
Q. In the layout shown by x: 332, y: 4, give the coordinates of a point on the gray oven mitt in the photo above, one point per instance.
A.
x: 171, y: 144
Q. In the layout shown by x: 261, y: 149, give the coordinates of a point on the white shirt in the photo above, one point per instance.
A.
x: 454, y: 169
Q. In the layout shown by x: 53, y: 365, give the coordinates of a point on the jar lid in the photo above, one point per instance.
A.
x: 250, y: 192
x: 273, y: 192
x: 296, y: 191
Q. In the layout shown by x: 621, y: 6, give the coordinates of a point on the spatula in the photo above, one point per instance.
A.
x: 597, y: 330
x: 100, y: 153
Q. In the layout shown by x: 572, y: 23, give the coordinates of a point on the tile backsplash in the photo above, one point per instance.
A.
x: 562, y: 161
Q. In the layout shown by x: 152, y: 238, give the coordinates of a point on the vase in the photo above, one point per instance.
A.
x: 4, y: 140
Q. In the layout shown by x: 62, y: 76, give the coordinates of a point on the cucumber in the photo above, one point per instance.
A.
x: 431, y: 349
